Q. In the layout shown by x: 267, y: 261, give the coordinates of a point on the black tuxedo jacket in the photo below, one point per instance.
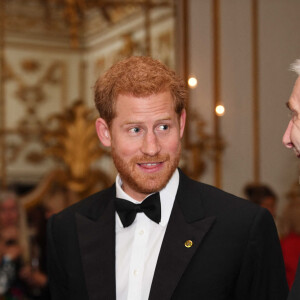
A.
x: 235, y: 253
x: 295, y: 290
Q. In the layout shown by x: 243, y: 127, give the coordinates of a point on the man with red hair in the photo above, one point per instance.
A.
x: 157, y: 234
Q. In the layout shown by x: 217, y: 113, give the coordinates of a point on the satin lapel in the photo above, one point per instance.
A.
x: 174, y: 255
x: 97, y: 247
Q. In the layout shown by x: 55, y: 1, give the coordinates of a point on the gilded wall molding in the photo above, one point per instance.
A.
x: 22, y: 137
x: 255, y: 90
x: 219, y: 146
x: 2, y: 100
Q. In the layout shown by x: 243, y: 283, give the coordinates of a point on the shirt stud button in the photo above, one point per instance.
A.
x: 188, y: 244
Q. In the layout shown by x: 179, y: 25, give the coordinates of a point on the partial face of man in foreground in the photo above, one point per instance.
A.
x: 291, y: 137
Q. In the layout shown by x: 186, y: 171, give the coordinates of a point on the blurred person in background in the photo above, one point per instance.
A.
x: 35, y: 274
x: 262, y: 195
x: 14, y: 246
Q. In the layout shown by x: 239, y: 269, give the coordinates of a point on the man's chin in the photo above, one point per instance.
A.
x: 147, y: 183
x: 150, y: 183
x: 146, y: 190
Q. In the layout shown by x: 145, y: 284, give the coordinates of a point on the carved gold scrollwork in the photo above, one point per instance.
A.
x: 8, y: 72
x: 31, y: 96
x: 30, y: 65
x: 70, y: 138
x: 29, y: 127
x: 53, y: 74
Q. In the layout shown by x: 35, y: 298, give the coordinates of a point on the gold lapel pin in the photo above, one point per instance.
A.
x: 188, y: 244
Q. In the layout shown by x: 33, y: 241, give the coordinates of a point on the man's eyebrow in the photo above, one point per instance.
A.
x: 131, y: 122
x: 138, y: 122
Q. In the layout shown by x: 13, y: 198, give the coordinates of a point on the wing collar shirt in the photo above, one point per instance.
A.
x: 138, y: 245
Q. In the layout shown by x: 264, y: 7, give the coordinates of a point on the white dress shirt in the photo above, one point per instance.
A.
x: 138, y: 245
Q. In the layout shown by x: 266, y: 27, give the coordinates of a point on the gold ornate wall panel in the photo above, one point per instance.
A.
x: 34, y: 89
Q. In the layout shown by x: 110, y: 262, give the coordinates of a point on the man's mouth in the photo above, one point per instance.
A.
x: 151, y: 166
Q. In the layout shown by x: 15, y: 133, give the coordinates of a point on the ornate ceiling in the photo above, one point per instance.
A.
x: 72, y: 19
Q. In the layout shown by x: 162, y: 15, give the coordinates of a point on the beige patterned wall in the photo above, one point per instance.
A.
x: 36, y: 87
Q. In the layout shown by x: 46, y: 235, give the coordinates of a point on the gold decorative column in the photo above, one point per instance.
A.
x: 255, y: 87
x: 186, y: 61
x: 147, y: 28
x: 2, y: 94
x: 216, y: 92
x: 82, y: 79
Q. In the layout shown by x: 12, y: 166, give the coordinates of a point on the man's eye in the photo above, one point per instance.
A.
x: 163, y: 127
x: 293, y: 115
x: 135, y: 130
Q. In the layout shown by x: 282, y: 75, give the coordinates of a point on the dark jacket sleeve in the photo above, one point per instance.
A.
x: 262, y: 275
x: 57, y: 276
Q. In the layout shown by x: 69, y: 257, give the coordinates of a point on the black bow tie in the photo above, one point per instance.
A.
x: 150, y: 207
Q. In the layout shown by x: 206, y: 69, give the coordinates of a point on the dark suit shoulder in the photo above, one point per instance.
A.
x: 224, y: 199
x: 194, y: 196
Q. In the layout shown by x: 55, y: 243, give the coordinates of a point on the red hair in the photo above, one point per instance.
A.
x: 139, y: 76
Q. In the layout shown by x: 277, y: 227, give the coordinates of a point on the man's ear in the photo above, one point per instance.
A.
x: 182, y: 122
x: 103, y: 132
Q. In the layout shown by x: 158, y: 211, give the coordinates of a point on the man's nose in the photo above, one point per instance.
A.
x: 286, y: 139
x: 151, y: 145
